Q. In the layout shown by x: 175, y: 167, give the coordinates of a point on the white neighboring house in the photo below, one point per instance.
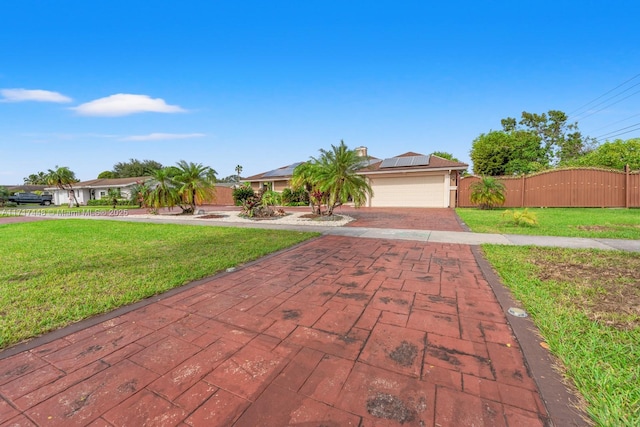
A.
x: 94, y: 189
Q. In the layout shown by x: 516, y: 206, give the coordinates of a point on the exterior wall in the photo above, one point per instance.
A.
x: 584, y: 187
x: 280, y: 185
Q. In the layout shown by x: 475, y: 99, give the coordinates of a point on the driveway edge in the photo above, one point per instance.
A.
x: 562, y: 405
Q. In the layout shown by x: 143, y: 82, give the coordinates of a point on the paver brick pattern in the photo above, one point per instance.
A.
x: 338, y: 331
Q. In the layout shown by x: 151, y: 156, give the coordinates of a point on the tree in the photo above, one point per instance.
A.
x: 39, y: 178
x: 113, y: 194
x: 135, y: 168
x: 107, y: 175
x: 4, y: 195
x: 333, y: 179
x: 615, y: 154
x: 305, y: 176
x: 445, y: 155
x: 488, y: 192
x: 163, y: 192
x: 63, y: 178
x: 507, y: 153
x: 238, y: 172
x: 536, y: 142
x: 140, y: 193
x: 195, y: 182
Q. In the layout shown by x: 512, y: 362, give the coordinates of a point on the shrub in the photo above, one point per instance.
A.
x: 271, y: 198
x: 488, y: 192
x: 521, y: 218
x: 298, y: 197
x: 241, y: 194
x: 108, y: 202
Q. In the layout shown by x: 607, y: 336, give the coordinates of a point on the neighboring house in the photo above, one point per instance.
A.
x: 407, y: 180
x: 25, y: 188
x: 94, y: 189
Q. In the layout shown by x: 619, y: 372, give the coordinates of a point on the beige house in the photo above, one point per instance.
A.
x: 407, y: 180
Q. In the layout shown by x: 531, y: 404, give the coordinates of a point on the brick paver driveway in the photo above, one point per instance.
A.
x: 337, y: 331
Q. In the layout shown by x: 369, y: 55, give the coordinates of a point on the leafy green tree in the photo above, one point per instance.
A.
x: 39, y: 178
x: 63, y: 178
x: 4, y: 195
x: 135, y: 168
x: 195, y: 183
x: 107, y: 175
x: 507, y: 153
x: 488, y: 192
x: 445, y: 155
x: 615, y: 154
x: 534, y: 143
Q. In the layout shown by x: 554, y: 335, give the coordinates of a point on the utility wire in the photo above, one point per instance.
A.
x: 617, y: 130
x: 609, y: 105
x: 603, y: 95
x: 619, y: 134
x: 581, y: 116
x: 616, y: 122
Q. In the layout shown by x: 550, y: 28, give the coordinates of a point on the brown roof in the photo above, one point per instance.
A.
x: 424, y: 163
x: 109, y: 182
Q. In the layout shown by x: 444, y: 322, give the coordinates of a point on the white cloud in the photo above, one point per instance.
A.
x: 20, y: 95
x: 123, y: 104
x: 161, y: 136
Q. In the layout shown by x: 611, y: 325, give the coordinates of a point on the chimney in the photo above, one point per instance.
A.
x: 361, y: 151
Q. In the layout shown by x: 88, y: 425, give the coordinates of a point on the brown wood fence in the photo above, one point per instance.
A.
x: 579, y: 187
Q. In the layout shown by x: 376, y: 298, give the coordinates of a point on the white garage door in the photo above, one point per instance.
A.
x: 409, y: 191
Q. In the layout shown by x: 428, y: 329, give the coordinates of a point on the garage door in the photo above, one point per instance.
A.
x: 409, y: 191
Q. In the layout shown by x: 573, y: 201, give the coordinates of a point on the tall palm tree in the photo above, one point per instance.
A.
x: 338, y: 176
x: 488, y: 192
x: 195, y: 183
x: 163, y: 192
x: 63, y: 178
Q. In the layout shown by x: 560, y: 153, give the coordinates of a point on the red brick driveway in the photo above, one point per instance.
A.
x: 338, y: 331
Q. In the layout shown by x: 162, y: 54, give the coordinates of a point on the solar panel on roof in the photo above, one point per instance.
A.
x: 400, y: 162
x: 285, y: 171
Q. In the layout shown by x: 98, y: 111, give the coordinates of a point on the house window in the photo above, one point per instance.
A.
x: 103, y: 194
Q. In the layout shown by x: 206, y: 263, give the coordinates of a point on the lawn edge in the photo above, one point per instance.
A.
x: 562, y: 404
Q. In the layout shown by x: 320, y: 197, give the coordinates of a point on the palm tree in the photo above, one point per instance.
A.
x: 238, y: 172
x: 63, y: 178
x: 113, y: 194
x: 338, y: 176
x: 195, y: 183
x: 163, y: 192
x: 306, y: 176
x: 488, y: 192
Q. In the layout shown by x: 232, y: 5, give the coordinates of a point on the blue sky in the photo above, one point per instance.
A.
x: 87, y: 84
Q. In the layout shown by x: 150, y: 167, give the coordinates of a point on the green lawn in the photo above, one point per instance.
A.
x: 586, y: 305
x: 567, y: 222
x: 54, y: 273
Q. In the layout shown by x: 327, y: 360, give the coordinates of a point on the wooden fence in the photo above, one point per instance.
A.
x: 579, y: 187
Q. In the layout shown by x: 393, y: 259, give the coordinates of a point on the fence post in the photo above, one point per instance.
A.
x: 627, y: 192
x: 522, y: 181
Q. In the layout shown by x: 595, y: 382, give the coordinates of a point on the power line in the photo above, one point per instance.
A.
x: 617, y: 130
x: 616, y: 122
x: 603, y: 95
x: 613, y: 103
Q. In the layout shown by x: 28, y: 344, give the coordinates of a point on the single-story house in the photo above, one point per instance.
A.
x: 407, y: 180
x: 94, y: 189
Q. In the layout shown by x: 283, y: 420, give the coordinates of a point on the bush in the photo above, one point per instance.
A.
x: 242, y: 194
x: 488, y: 192
x: 297, y: 197
x: 521, y: 218
x: 108, y: 202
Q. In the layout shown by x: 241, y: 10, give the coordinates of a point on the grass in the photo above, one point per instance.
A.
x: 585, y: 304
x: 565, y: 222
x: 54, y: 273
